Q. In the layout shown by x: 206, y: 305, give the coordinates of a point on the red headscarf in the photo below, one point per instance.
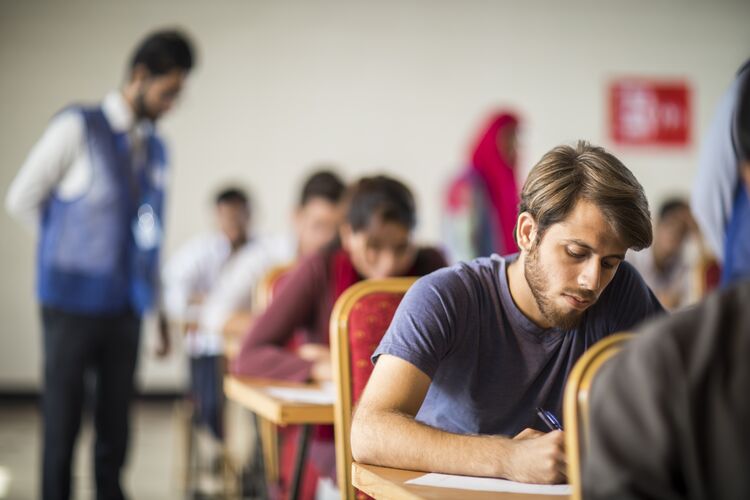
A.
x: 499, y: 178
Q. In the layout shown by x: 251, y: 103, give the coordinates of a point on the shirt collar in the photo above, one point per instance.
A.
x: 120, y: 115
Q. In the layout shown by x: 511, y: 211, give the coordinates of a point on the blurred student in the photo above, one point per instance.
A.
x: 482, y: 203
x: 315, y: 224
x: 663, y: 265
x: 474, y: 349
x: 189, y: 278
x: 375, y: 242
x: 720, y: 201
x: 669, y: 415
x: 94, y: 183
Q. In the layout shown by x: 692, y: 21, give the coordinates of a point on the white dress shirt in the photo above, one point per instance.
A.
x: 59, y: 162
x: 235, y: 288
x: 205, y: 283
x: 188, y: 279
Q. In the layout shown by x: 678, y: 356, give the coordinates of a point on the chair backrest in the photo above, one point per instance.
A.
x: 270, y: 284
x: 359, y: 320
x: 576, y: 403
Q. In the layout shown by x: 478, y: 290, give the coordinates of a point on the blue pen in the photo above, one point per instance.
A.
x: 549, y: 419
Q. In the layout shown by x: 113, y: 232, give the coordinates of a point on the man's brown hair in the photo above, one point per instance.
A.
x: 566, y: 175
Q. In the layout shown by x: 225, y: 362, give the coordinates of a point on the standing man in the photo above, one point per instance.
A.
x: 721, y: 193
x: 94, y: 183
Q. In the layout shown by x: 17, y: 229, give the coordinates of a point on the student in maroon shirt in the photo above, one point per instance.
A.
x: 375, y: 242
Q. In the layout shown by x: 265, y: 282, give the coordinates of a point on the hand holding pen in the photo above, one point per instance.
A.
x: 549, y: 419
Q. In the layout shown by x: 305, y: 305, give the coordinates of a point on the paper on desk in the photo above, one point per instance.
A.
x: 489, y: 484
x: 323, y: 395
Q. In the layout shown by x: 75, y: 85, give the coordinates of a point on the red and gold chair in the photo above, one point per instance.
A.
x: 359, y: 320
x: 576, y: 403
x: 269, y: 285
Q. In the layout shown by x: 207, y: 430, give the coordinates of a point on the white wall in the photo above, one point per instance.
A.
x: 400, y: 85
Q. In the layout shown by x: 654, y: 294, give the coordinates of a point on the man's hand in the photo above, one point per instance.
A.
x: 163, y: 347
x: 320, y: 355
x: 536, y: 457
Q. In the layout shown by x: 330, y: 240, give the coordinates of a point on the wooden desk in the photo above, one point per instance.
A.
x: 251, y: 393
x: 382, y: 482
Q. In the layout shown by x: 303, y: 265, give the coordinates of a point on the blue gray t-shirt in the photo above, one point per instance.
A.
x: 490, y: 365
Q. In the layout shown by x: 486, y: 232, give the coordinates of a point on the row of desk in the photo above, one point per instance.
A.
x: 378, y: 482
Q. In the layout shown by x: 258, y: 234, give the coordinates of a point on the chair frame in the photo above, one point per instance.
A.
x: 342, y: 372
x: 264, y: 290
x: 576, y: 403
x: 268, y: 431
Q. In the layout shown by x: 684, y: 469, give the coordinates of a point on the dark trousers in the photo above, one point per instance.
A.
x: 207, y: 393
x: 75, y: 345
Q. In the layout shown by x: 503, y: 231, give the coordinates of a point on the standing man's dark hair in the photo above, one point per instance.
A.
x: 98, y: 262
x: 158, y: 68
x: 164, y: 51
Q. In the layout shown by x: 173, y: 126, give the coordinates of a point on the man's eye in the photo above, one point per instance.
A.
x: 575, y: 255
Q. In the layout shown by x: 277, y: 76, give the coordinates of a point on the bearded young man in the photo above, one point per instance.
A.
x: 474, y: 349
x: 94, y: 184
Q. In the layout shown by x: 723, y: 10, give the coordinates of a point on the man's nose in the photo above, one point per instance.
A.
x: 590, y: 276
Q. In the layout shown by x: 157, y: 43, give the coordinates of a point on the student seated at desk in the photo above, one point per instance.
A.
x: 376, y: 242
x: 315, y: 224
x: 474, y: 349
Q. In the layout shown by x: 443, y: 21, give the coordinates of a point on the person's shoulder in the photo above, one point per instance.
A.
x: 206, y: 243
x: 462, y: 277
x: 272, y: 245
x: 68, y: 121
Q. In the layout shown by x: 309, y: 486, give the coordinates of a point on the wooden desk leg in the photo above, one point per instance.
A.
x: 299, y: 461
x: 259, y: 461
x: 270, y: 443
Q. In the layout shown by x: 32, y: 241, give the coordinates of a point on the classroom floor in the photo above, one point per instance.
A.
x: 154, y: 470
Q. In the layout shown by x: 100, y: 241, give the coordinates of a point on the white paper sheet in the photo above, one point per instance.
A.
x: 489, y: 484
x: 324, y: 395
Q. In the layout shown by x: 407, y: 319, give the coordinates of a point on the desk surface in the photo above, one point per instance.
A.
x: 382, y: 482
x: 251, y: 394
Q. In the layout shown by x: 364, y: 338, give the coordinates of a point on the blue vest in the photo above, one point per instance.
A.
x: 99, y: 253
x: 737, y: 241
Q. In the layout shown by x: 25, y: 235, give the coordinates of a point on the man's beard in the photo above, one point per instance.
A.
x: 536, y: 278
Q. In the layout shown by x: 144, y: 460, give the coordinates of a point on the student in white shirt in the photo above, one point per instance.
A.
x: 315, y: 224
x: 189, y: 278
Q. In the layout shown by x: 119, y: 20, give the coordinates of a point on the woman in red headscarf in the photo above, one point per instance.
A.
x: 482, y: 203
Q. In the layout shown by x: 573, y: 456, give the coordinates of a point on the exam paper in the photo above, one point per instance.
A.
x: 489, y: 484
x: 322, y: 396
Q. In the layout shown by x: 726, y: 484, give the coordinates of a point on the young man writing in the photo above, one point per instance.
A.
x: 475, y: 348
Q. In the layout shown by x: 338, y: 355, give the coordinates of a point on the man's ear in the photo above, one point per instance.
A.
x: 345, y: 234
x: 526, y: 231
x: 139, y: 74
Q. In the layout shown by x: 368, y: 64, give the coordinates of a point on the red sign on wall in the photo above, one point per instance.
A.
x: 650, y: 112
